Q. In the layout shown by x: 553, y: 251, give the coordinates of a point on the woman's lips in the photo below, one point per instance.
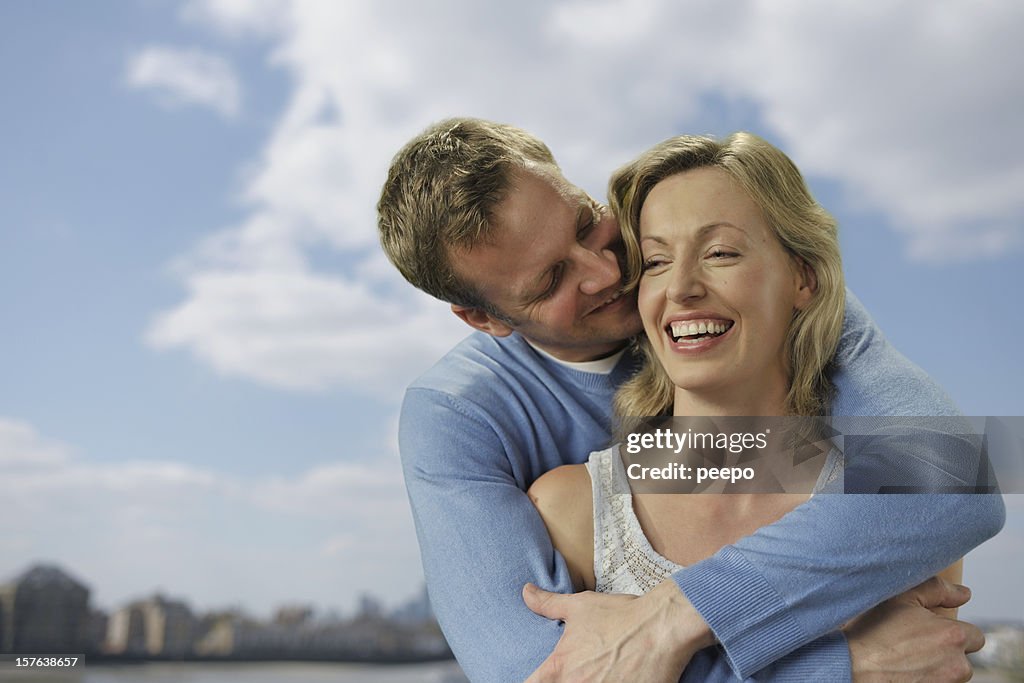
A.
x: 694, y: 329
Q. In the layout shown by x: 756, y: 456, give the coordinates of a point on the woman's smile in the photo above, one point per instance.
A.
x: 697, y: 333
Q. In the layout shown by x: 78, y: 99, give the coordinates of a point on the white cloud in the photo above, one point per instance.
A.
x: 301, y: 330
x: 337, y: 489
x: 127, y: 528
x: 237, y: 16
x: 186, y: 77
x: 910, y: 108
x: 22, y: 448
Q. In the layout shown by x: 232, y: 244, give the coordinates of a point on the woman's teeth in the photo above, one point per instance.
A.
x: 692, y: 329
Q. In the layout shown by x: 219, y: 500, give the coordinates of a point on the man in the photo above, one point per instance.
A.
x: 478, y: 214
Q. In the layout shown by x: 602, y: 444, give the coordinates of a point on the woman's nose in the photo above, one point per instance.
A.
x: 685, y: 284
x: 601, y: 271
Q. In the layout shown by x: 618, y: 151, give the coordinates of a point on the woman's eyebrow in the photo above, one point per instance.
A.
x: 701, y: 233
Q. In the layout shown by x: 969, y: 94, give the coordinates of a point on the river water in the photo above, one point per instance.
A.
x: 269, y: 672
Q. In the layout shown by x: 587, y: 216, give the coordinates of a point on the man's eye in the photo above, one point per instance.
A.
x: 596, y: 215
x: 556, y: 279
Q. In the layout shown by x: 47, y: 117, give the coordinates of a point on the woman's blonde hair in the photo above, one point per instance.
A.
x: 801, y: 225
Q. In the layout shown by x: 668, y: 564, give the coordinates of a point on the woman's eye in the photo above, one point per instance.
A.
x: 652, y: 263
x: 720, y: 253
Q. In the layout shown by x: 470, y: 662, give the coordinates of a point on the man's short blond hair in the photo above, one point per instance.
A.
x: 440, y: 195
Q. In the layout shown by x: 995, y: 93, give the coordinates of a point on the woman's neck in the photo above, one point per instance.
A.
x: 724, y: 403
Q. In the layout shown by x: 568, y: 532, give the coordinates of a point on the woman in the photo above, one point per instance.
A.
x: 742, y: 296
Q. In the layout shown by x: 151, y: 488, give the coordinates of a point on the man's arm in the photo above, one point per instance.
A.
x: 903, y: 640
x: 481, y: 540
x: 826, y: 562
x: 600, y: 628
x: 906, y: 639
x: 837, y: 555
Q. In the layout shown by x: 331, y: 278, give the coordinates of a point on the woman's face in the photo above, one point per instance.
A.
x: 718, y: 290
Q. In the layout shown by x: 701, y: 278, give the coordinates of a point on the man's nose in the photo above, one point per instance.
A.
x: 600, y: 270
x: 685, y: 284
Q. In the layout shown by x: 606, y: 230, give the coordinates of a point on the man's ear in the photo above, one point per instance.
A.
x: 806, y: 283
x: 481, y: 320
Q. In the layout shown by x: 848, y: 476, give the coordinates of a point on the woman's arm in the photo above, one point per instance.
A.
x: 565, y: 501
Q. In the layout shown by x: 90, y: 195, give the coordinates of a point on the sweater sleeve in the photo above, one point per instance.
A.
x: 838, y: 555
x: 480, y: 538
x: 826, y: 659
x: 826, y: 562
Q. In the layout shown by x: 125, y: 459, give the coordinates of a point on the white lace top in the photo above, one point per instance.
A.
x: 624, y: 561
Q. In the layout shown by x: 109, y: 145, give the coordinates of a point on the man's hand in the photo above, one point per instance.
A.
x: 903, y: 641
x: 611, y: 637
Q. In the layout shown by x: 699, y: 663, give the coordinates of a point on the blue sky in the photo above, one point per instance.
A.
x: 204, y: 349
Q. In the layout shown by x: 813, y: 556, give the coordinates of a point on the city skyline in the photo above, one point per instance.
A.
x: 365, y: 604
x: 45, y: 609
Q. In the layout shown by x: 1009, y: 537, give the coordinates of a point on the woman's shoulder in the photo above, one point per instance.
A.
x: 564, y: 499
x: 562, y: 491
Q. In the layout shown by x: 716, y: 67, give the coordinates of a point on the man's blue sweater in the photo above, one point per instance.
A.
x: 493, y: 415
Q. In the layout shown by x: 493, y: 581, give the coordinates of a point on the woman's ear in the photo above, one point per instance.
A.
x: 806, y: 283
x: 481, y: 320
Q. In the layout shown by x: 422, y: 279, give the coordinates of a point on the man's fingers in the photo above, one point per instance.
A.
x: 937, y: 592
x: 950, y: 595
x: 545, y: 603
x: 975, y: 639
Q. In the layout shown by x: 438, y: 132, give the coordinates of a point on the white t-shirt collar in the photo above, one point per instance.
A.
x: 601, y: 366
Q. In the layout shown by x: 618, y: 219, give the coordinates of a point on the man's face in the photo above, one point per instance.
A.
x: 553, y: 268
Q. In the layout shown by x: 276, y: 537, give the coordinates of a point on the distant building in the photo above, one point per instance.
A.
x: 96, y: 631
x: 233, y: 634
x: 44, y: 610
x: 157, y: 626
x: 170, y: 627
x: 416, y: 611
x: 217, y: 635
x: 126, y: 633
x: 293, y: 615
x: 369, y: 607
